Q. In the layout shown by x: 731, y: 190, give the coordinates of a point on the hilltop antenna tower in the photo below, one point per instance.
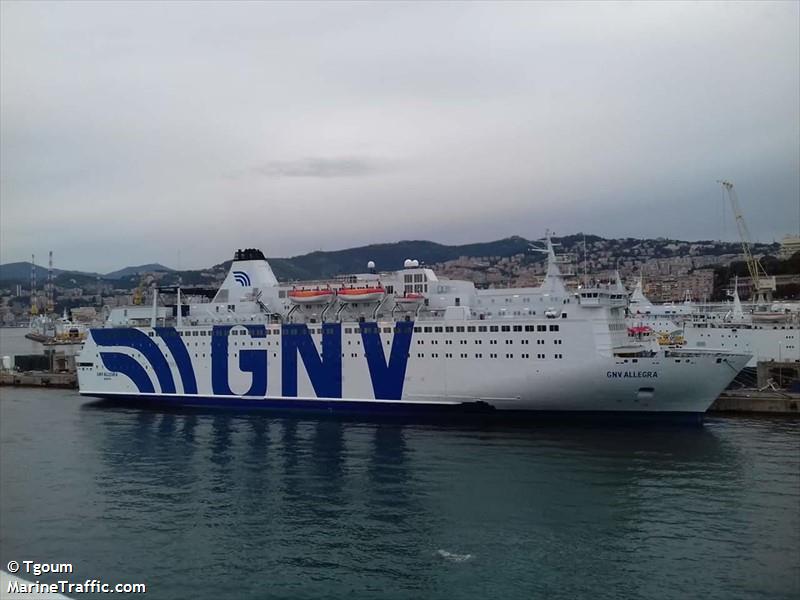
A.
x: 34, y: 302
x: 50, y: 299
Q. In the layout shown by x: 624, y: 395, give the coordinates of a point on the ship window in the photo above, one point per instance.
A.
x: 529, y: 328
x: 494, y: 328
x: 428, y: 329
x: 437, y: 329
x: 505, y: 328
x: 553, y: 327
x: 417, y: 329
x: 348, y: 330
x: 459, y: 329
x: 517, y: 327
x: 541, y: 328
x: 390, y: 289
x: 471, y: 329
x: 482, y: 328
x: 458, y: 301
x: 387, y: 330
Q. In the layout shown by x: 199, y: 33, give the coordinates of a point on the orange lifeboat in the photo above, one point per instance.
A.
x: 310, y: 296
x: 362, y: 294
x: 410, y: 298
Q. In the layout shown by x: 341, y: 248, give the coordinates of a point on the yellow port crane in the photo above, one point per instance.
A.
x: 141, y: 290
x: 763, y: 284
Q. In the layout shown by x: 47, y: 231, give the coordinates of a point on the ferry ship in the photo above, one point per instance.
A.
x: 768, y: 333
x: 403, y: 341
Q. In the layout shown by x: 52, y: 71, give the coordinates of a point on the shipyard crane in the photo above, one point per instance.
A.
x: 50, y: 286
x: 763, y: 285
x: 34, y: 299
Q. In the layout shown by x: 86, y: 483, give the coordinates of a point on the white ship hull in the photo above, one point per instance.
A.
x: 518, y: 380
x: 766, y: 342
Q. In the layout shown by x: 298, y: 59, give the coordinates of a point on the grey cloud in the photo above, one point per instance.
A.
x: 203, y: 127
x: 317, y: 167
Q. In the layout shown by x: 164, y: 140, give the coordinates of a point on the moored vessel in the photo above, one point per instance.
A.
x: 404, y: 341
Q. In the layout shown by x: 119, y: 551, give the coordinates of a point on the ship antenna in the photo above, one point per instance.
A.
x: 584, y: 260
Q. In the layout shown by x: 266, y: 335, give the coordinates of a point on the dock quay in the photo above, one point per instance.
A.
x: 39, y: 379
x: 757, y: 401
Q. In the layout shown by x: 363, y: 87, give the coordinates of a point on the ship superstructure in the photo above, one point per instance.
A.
x: 402, y: 340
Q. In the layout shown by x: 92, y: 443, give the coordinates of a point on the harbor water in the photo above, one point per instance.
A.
x: 212, y: 505
x: 13, y: 342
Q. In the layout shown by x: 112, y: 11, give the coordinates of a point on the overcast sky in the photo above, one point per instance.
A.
x: 136, y: 133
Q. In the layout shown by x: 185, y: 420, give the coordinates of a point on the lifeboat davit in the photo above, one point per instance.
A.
x: 362, y: 294
x: 310, y: 296
x: 410, y: 299
x: 639, y: 330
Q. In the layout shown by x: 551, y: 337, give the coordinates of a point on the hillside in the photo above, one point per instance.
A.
x: 138, y: 270
x: 318, y: 265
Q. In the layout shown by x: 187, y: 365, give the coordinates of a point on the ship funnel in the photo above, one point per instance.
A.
x: 249, y: 276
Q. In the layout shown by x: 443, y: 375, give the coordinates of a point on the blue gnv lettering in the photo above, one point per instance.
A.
x: 387, y: 378
x: 325, y: 372
x: 632, y: 374
x: 250, y: 361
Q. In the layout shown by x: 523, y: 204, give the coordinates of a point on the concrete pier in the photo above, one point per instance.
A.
x: 755, y: 401
x: 39, y: 379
